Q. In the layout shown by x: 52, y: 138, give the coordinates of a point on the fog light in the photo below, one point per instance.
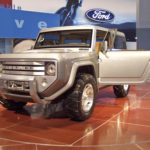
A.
x: 44, y: 82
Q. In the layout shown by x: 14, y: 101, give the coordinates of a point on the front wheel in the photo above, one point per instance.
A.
x: 121, y: 90
x: 80, y: 100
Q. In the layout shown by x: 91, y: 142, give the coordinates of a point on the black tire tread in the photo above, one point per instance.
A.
x: 119, y: 91
x: 73, y: 96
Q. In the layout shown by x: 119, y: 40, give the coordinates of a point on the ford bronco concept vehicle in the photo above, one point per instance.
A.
x: 71, y: 64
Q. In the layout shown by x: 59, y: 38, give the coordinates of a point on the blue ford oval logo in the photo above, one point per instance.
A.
x: 100, y: 15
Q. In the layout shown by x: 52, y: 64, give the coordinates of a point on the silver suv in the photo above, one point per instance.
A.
x: 71, y: 64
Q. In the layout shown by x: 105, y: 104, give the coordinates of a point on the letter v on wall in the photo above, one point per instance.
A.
x: 19, y: 23
x: 25, y: 24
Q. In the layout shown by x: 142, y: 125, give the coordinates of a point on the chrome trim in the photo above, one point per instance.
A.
x: 23, y: 63
x: 24, y: 73
x: 87, y: 98
x: 24, y: 68
x: 17, y: 78
x: 33, y: 92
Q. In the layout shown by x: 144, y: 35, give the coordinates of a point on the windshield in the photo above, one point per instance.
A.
x: 61, y: 39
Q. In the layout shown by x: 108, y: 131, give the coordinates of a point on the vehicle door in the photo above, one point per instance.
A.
x: 119, y: 66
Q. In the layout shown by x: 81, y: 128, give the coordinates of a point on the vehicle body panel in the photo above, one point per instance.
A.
x: 110, y: 68
x: 124, y: 66
x: 68, y: 62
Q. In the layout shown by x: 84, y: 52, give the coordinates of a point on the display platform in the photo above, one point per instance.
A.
x: 116, y: 124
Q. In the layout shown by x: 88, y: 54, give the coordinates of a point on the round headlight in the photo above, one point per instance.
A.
x: 51, y: 69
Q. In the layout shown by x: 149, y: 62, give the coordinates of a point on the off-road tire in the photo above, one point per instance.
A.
x: 121, y: 90
x: 74, y: 104
x: 12, y: 105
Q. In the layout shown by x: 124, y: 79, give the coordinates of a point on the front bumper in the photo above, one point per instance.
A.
x: 16, y: 94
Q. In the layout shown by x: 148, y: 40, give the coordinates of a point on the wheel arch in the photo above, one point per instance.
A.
x: 84, y: 67
x: 89, y: 69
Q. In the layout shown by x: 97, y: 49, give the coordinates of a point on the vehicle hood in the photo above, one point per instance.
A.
x: 47, y: 54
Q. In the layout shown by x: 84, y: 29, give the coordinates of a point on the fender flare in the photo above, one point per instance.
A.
x: 71, y: 80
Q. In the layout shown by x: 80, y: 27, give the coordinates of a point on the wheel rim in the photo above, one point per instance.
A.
x: 87, y: 98
x: 125, y: 87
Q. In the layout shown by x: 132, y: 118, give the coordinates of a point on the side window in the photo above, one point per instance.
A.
x: 102, y: 36
x: 120, y: 43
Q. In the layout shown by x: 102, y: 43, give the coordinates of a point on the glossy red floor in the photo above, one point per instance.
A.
x: 116, y: 124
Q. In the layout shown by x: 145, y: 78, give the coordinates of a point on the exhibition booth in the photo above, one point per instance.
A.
x: 25, y: 19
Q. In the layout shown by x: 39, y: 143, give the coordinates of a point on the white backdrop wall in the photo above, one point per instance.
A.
x: 124, y: 11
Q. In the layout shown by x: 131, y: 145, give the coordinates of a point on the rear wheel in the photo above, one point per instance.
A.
x: 12, y: 105
x: 121, y: 90
x: 80, y: 100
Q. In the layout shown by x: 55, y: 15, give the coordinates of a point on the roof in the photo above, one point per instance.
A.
x: 92, y: 27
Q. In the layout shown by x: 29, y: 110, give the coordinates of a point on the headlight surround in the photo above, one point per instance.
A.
x: 51, y: 68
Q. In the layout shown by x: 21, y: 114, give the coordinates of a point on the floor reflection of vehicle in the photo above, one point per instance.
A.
x: 68, y: 13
